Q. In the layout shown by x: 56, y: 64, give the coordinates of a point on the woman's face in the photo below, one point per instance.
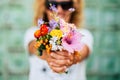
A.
x: 62, y: 7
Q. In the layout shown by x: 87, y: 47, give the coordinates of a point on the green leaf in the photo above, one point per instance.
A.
x: 49, y: 36
x: 42, y: 47
x: 40, y: 52
x: 58, y: 28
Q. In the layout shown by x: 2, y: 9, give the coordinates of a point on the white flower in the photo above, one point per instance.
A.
x: 53, y: 43
x: 54, y: 39
x: 60, y: 47
x: 71, y: 9
x: 54, y: 47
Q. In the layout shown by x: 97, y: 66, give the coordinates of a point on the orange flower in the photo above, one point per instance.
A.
x: 78, y: 54
x: 37, y: 34
x: 48, y: 48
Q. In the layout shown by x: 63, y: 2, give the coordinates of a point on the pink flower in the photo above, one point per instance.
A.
x: 72, y: 41
x: 66, y: 27
x: 62, y: 23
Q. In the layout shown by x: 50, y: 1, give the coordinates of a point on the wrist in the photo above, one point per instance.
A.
x: 77, y: 57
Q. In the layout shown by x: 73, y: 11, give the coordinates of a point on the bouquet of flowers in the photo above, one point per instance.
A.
x: 57, y: 35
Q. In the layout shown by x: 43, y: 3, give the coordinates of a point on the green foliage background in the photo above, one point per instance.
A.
x: 102, y: 19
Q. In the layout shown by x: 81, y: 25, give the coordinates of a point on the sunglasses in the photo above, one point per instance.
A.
x: 65, y: 5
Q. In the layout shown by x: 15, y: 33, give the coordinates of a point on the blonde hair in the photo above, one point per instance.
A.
x: 76, y: 17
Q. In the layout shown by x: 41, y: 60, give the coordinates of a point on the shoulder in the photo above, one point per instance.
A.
x: 29, y: 35
x: 87, y: 38
x: 85, y: 32
x: 31, y: 29
x: 30, y: 32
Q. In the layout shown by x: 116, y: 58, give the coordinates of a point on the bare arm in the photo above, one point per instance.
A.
x: 31, y: 47
x: 84, y: 53
x: 57, y: 61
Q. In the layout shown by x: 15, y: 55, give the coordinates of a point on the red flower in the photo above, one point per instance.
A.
x: 37, y: 34
x: 43, y: 29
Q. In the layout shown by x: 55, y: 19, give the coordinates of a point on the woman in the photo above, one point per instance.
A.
x: 43, y: 67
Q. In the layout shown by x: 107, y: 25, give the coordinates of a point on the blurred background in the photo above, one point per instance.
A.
x: 102, y: 19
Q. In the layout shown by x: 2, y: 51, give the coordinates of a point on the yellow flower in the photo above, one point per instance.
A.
x: 57, y: 33
x: 46, y: 40
x: 37, y: 44
x: 58, y: 42
x: 48, y: 48
x: 41, y: 41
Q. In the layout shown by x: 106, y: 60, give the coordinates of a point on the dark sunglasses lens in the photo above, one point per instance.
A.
x: 48, y: 4
x: 66, y: 5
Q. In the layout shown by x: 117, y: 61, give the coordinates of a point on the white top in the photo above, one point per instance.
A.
x: 39, y: 69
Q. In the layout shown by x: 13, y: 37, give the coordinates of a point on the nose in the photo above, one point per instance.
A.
x: 59, y: 9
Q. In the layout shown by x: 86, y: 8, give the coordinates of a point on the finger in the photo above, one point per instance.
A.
x: 71, y: 57
x: 54, y: 64
x: 67, y: 55
x: 58, y: 56
x: 63, y: 53
x: 61, y: 62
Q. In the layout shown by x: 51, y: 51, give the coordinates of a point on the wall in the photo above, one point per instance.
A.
x: 102, y: 19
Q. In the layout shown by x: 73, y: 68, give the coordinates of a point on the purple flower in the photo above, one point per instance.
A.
x: 53, y: 8
x: 40, y: 22
x: 53, y: 24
